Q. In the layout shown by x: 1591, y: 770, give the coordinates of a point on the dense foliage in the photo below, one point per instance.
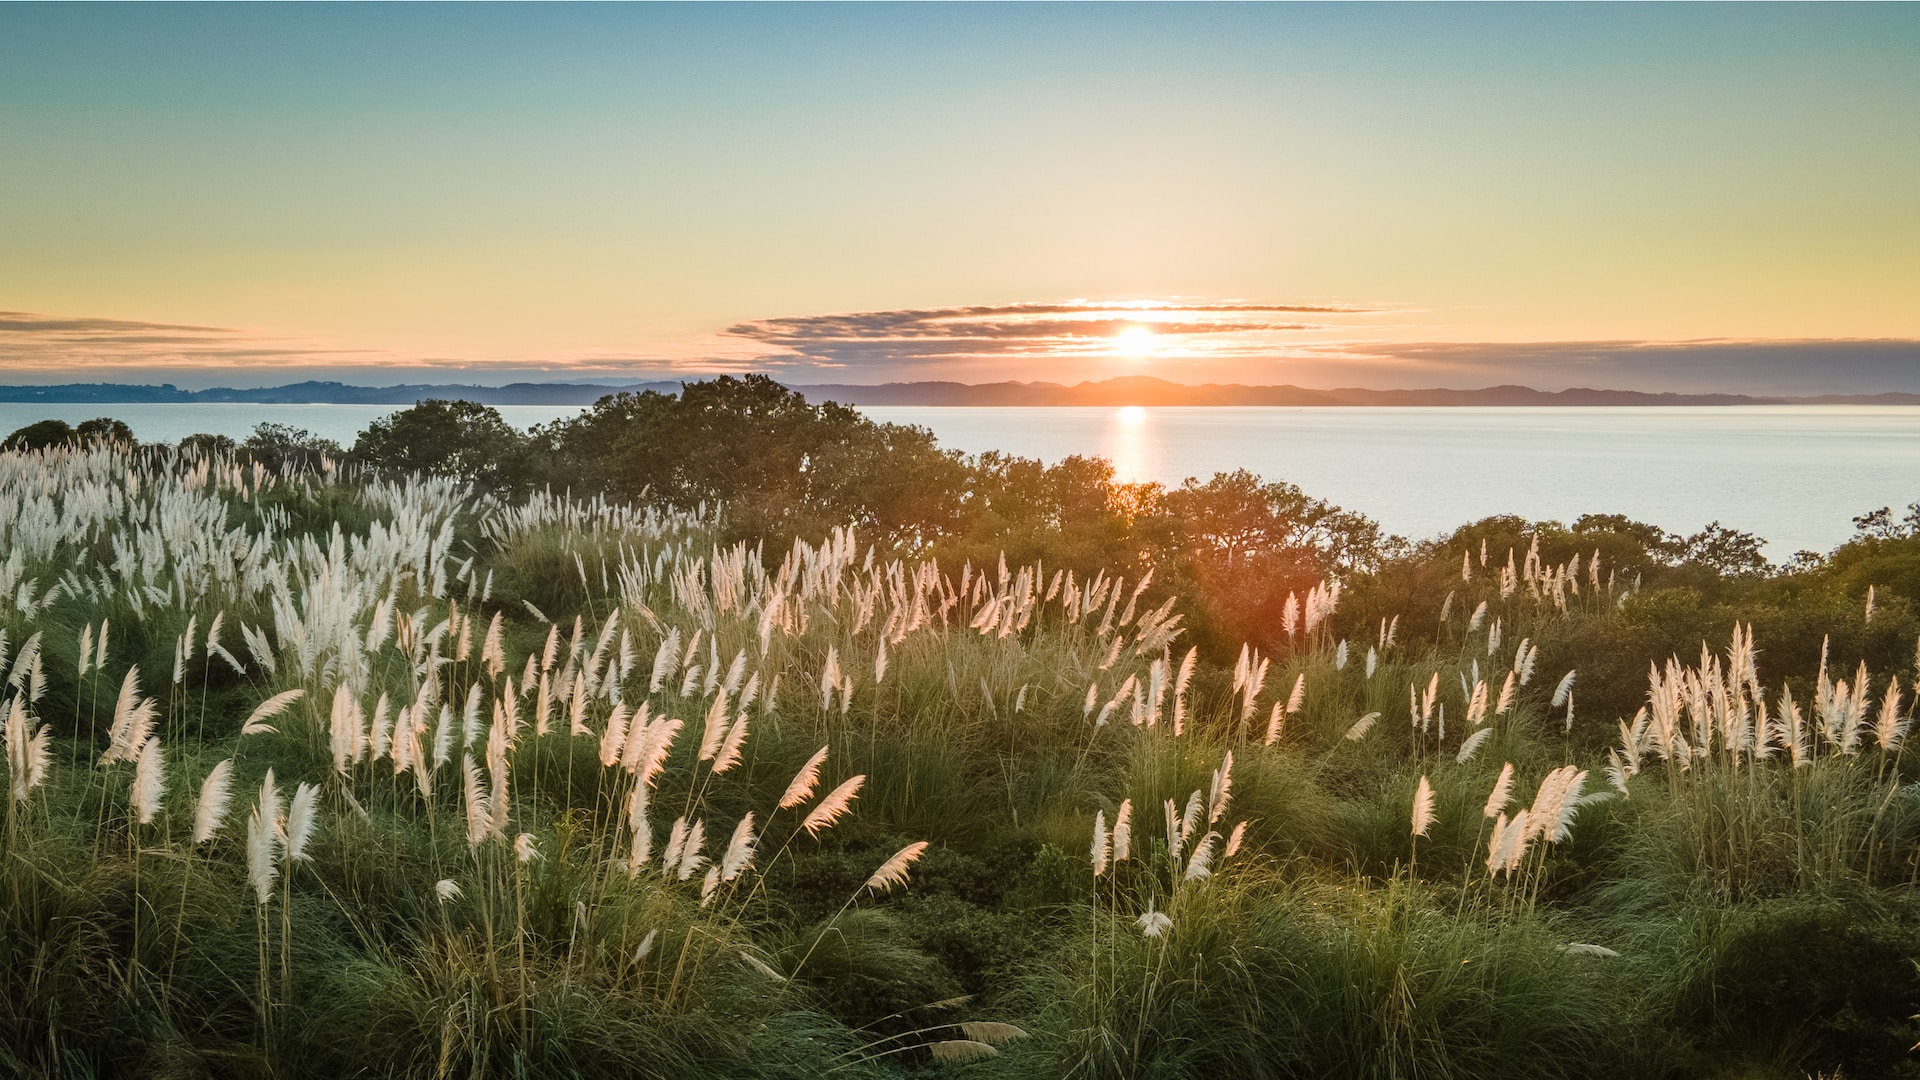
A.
x: 730, y: 735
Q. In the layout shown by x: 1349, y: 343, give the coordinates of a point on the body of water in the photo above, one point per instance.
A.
x: 171, y: 422
x: 1791, y: 474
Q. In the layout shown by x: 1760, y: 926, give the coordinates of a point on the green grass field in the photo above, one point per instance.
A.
x: 315, y: 774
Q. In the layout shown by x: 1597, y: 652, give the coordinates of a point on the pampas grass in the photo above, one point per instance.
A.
x: 464, y: 867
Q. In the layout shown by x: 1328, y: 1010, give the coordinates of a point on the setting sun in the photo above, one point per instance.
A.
x: 1135, y: 342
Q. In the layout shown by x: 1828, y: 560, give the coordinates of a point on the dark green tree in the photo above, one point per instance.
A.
x: 456, y: 438
x: 40, y: 436
x: 105, y: 429
x: 284, y: 446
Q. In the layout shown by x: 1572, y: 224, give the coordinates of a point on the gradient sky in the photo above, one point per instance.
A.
x: 1649, y: 197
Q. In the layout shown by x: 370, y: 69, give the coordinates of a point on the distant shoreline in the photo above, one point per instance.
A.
x: 1136, y: 390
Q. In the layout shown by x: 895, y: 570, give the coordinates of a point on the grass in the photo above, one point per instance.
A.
x: 484, y: 894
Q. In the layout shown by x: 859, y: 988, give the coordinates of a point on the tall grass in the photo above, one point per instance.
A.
x: 311, y: 773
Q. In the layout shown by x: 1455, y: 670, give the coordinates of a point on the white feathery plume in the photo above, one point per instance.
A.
x: 739, y: 854
x: 443, y: 737
x: 523, y: 848
x: 642, y: 845
x: 215, y: 792
x: 1361, y: 726
x: 1471, y: 745
x: 692, y: 858
x: 1889, y: 728
x: 894, y: 870
x: 1561, y: 691
x: 730, y: 747
x: 120, y: 743
x: 801, y: 788
x: 447, y: 889
x: 1276, y: 724
x: 479, y: 811
x: 1154, y: 924
x: 346, y: 726
x: 261, y: 868
x: 1234, y: 841
x: 1190, y: 821
x: 257, y: 720
x: 664, y: 661
x: 1123, y: 832
x: 149, y: 780
x: 1502, y: 792
x: 676, y: 843
x: 469, y: 716
x: 1221, y: 791
x: 1101, y: 843
x: 716, y: 728
x: 833, y: 806
x: 26, y: 754
x: 652, y: 759
x: 615, y: 738
x: 269, y: 804
x: 1200, y: 865
x: 302, y: 816
x: 1422, y: 807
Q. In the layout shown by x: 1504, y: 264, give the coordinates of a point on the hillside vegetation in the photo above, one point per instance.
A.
x: 728, y: 735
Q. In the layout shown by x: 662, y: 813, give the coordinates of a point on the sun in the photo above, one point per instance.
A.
x: 1136, y: 342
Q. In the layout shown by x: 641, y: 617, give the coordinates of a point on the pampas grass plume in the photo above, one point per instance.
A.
x: 1422, y: 807
x: 833, y: 806
x: 1101, y: 843
x: 302, y: 816
x: 739, y: 854
x: 801, y: 789
x: 1502, y: 792
x: 149, y: 780
x: 894, y: 870
x: 215, y: 793
x: 257, y: 720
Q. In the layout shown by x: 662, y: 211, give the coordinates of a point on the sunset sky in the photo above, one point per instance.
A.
x: 1710, y: 197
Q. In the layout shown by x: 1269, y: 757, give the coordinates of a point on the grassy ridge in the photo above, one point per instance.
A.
x: 514, y: 712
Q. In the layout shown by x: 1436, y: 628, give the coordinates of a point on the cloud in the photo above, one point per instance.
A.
x: 1794, y: 367
x: 43, y: 343
x: 915, y: 337
x: 27, y: 323
x: 1310, y: 345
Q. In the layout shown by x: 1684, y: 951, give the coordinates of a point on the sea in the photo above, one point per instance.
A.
x: 1795, y: 476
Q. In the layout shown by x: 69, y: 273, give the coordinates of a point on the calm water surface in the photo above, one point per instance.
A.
x: 1794, y: 475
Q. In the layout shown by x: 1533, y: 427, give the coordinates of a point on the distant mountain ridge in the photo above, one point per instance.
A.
x: 1130, y: 390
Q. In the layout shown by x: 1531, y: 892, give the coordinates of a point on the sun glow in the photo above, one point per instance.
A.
x: 1136, y: 342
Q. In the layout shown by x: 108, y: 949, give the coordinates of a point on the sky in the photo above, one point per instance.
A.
x: 1700, y: 198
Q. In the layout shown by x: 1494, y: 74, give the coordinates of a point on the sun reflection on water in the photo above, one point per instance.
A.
x: 1130, y: 444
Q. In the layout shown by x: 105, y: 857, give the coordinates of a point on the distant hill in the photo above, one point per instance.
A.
x: 330, y: 393
x: 1132, y: 390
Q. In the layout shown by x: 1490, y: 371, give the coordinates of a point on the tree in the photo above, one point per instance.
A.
x: 41, y: 435
x: 283, y: 446
x: 778, y: 463
x: 105, y: 429
x: 202, y: 444
x: 1728, y: 552
x: 455, y: 438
